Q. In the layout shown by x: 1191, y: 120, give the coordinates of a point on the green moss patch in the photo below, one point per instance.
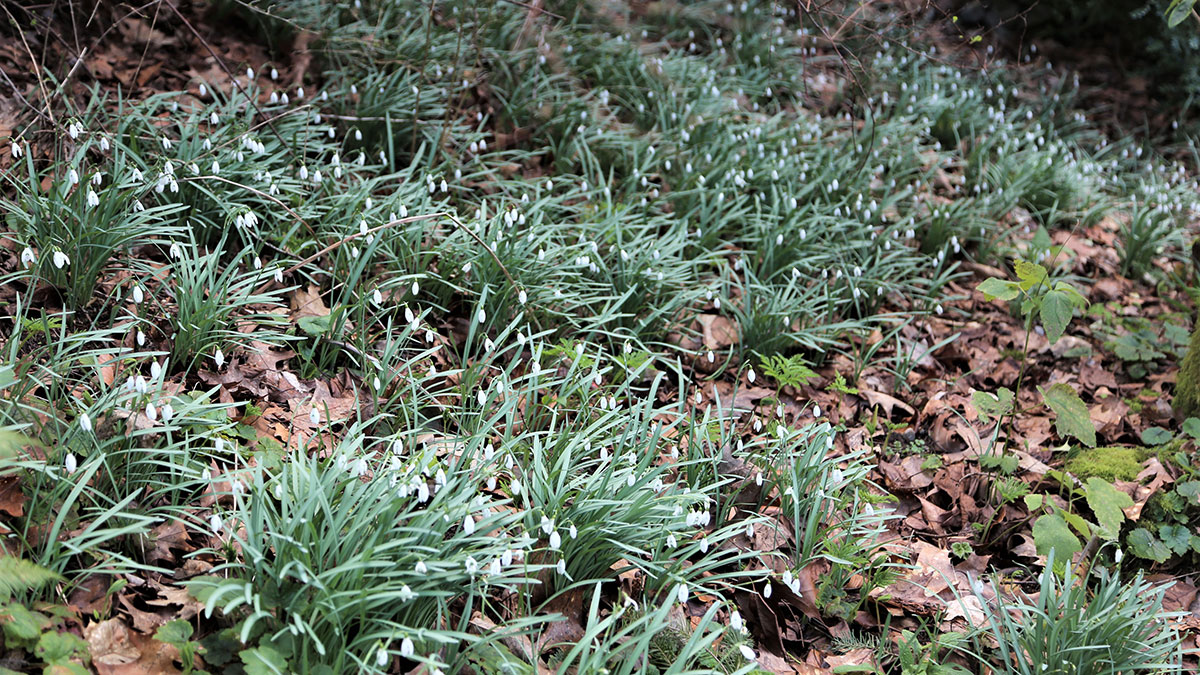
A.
x: 1108, y: 463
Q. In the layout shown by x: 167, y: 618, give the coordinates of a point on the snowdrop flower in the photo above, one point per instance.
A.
x: 72, y: 176
x: 151, y: 412
x: 219, y: 358
x: 16, y: 150
x: 314, y: 416
x: 249, y: 73
x: 138, y: 294
x: 747, y: 652
x: 767, y: 590
x: 167, y: 412
x: 522, y: 296
x: 469, y: 524
x: 61, y: 259
x: 85, y: 422
x: 682, y: 593
x: 420, y: 567
x: 407, y: 648
x: 751, y: 376
x: 735, y: 621
x: 406, y: 593
x: 70, y: 464
x: 381, y: 657
x: 28, y: 257
x: 561, y: 567
x: 216, y: 524
x: 481, y: 316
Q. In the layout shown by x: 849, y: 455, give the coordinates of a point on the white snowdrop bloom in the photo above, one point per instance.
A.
x: 166, y: 143
x: 444, y: 186
x: 314, y: 416
x: 481, y: 315
x: 72, y: 176
x: 939, y: 310
x: 747, y: 652
x: 816, y: 410
x: 70, y: 464
x: 215, y: 523
x: 381, y: 657
x: 406, y: 593
x: 681, y: 593
x: 28, y: 257
x: 303, y: 172
x: 481, y: 397
x: 767, y: 590
x: 219, y: 358
x: 407, y: 648
x: 167, y: 412
x: 561, y: 567
x: 704, y: 545
x: 420, y: 567
x: 151, y: 412
x: 61, y: 259
x: 522, y: 296
x: 138, y: 294
x: 469, y: 524
x: 555, y: 540
x: 735, y: 620
x: 547, y: 525
x: 711, y: 356
x: 16, y: 149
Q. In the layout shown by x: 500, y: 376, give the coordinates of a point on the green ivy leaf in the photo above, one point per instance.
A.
x: 1156, y: 436
x: 1072, y: 418
x: 1050, y: 533
x: 989, y: 405
x: 1144, y: 544
x: 1107, y: 503
x: 1056, y: 310
x: 993, y: 288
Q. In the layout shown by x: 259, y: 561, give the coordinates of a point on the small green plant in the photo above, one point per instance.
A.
x: 1054, y: 303
x: 178, y: 633
x: 1072, y: 627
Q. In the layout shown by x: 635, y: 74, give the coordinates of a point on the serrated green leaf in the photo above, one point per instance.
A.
x: 174, y: 632
x: 1030, y: 274
x: 1077, y: 298
x: 989, y: 405
x: 1189, y: 490
x: 21, y: 626
x: 1056, y: 310
x: 993, y: 288
x: 1156, y: 436
x: 1145, y: 545
x: 54, y: 647
x: 264, y: 660
x: 1050, y: 532
x: 1175, y: 537
x: 1071, y: 413
x: 1107, y: 503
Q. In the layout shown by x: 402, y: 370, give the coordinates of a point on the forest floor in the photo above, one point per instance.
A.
x: 541, y: 338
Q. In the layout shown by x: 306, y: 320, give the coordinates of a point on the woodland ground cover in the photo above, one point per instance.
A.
x: 465, y: 337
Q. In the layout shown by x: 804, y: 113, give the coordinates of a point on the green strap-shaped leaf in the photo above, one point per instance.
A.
x: 1072, y: 417
x: 1178, y: 11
